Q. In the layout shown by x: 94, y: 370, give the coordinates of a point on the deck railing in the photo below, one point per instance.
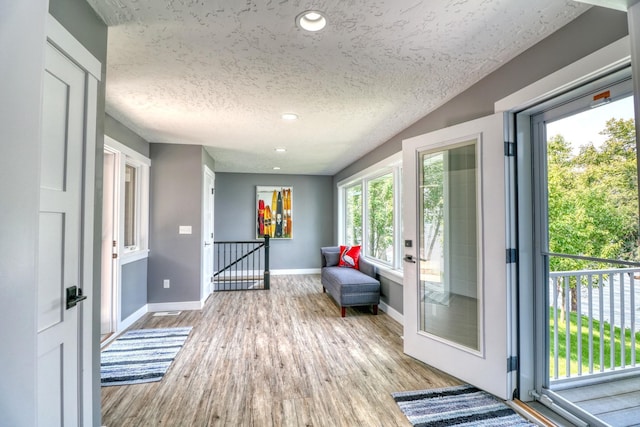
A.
x: 600, y: 309
x: 242, y: 265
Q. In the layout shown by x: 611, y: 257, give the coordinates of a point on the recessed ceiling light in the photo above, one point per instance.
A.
x: 311, y: 20
x: 276, y: 168
x: 289, y: 116
x: 280, y: 150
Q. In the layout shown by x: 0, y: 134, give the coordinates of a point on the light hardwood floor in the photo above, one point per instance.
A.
x: 282, y: 357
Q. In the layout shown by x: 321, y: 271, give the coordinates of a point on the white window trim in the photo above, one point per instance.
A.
x: 127, y: 156
x: 393, y: 164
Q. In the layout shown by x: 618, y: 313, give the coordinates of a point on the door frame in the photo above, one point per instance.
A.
x: 88, y: 367
x: 207, y: 176
x: 110, y: 279
x: 593, y: 66
x: 124, y: 155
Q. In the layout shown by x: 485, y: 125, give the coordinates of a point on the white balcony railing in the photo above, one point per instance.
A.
x: 602, y: 309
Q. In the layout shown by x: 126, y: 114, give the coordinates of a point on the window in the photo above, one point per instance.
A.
x: 130, y: 209
x: 370, y: 212
x: 135, y: 204
x: 353, y: 217
x: 129, y: 200
x: 380, y: 218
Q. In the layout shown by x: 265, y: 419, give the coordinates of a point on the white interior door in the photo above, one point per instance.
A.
x: 456, y: 315
x: 60, y: 241
x: 207, y: 231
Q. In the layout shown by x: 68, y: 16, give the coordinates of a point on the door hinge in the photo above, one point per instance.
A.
x: 213, y: 191
x: 512, y: 364
x: 509, y: 149
x: 512, y: 256
x: 114, y: 256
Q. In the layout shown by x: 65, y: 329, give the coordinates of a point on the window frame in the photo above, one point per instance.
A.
x: 393, y: 165
x: 125, y: 156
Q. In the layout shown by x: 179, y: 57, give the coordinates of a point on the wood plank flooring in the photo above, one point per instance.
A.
x: 282, y: 357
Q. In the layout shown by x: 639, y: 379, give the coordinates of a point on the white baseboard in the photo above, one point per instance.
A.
x: 132, y: 318
x: 175, y: 306
x: 125, y: 324
x: 295, y: 271
x: 394, y: 314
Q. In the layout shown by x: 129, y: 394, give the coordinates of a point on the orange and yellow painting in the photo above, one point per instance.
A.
x: 274, y: 212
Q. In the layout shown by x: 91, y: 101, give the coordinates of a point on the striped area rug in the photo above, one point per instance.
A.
x: 463, y: 405
x: 141, y: 355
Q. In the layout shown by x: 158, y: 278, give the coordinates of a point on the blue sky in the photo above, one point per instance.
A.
x: 584, y: 127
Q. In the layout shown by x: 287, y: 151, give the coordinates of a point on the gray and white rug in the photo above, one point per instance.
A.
x: 141, y: 355
x: 462, y: 405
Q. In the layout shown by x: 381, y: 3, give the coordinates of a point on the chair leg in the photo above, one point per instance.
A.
x: 343, y: 311
x: 375, y: 309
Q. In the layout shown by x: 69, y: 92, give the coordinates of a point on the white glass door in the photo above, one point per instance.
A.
x: 456, y: 299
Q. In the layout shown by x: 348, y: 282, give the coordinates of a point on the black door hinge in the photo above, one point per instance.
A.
x: 512, y: 364
x: 509, y: 149
x: 512, y: 256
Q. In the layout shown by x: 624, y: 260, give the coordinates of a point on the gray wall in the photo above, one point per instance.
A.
x: 565, y: 46
x: 312, y: 213
x: 133, y: 287
x: 124, y: 135
x: 175, y: 199
x: 22, y: 53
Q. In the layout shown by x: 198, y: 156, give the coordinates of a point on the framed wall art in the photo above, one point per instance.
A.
x: 274, y: 212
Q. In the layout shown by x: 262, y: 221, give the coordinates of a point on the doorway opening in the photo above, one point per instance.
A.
x: 586, y: 261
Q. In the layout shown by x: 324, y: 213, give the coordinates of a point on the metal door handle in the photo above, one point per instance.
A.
x: 409, y: 258
x: 74, y: 296
x: 207, y: 243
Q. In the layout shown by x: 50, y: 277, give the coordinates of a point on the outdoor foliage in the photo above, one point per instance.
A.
x: 380, y: 221
x: 593, y: 198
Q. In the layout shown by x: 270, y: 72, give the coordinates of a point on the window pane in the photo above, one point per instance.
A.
x: 353, y: 220
x: 448, y: 246
x: 130, y: 206
x: 380, y: 218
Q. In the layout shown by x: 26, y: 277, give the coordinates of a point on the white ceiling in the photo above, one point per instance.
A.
x: 220, y: 73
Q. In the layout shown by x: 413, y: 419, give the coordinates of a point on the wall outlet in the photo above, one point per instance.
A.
x: 166, y: 283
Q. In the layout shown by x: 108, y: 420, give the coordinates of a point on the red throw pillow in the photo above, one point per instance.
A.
x: 349, y: 256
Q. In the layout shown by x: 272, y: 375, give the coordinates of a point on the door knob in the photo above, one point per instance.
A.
x: 409, y: 258
x: 74, y: 296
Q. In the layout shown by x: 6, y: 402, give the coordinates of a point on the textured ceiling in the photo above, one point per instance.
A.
x: 220, y: 73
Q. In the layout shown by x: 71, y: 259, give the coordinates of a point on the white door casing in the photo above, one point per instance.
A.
x: 208, y: 198
x: 109, y: 225
x: 65, y: 235
x: 485, y: 367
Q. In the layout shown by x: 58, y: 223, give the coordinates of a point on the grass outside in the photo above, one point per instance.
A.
x: 573, y: 337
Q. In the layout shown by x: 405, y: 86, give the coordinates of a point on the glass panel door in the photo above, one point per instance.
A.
x: 585, y: 159
x: 457, y: 313
x: 449, y: 245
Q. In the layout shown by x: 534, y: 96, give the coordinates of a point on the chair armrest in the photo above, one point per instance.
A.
x: 367, y: 267
x: 326, y: 250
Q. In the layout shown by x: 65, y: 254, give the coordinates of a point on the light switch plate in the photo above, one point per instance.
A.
x: 184, y: 229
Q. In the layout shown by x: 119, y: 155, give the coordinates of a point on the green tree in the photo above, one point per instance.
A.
x: 380, y: 220
x: 593, y: 199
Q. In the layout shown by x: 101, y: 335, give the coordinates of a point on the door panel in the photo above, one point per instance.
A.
x: 60, y: 236
x: 207, y: 232
x: 455, y: 278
